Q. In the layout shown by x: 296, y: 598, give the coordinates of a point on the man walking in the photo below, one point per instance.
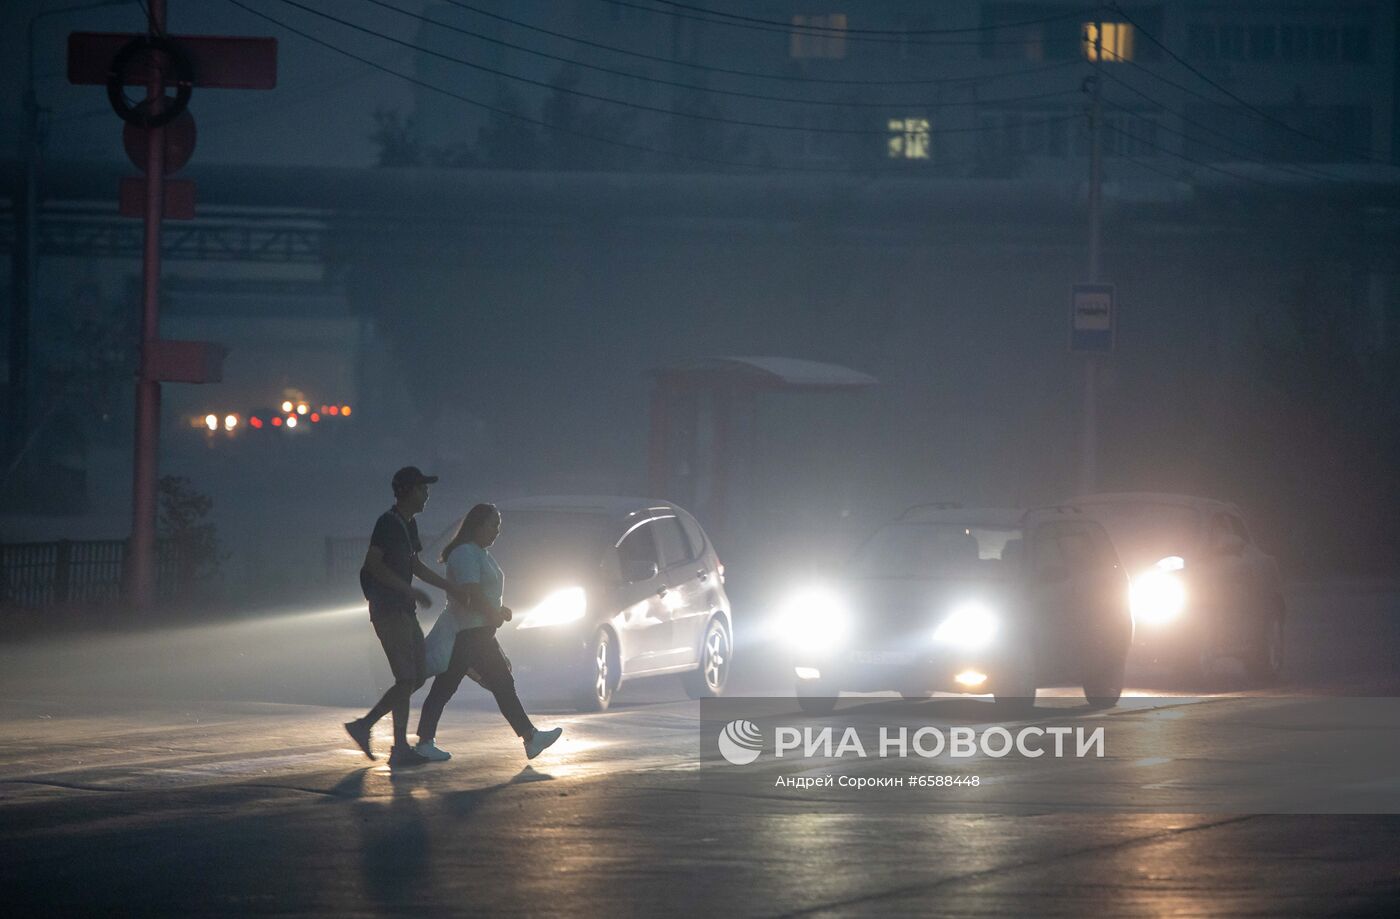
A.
x: 387, y: 581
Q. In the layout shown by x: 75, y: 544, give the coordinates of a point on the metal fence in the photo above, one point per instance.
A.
x: 38, y: 575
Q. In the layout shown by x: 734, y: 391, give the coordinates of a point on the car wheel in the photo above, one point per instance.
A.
x: 604, y: 673
x: 816, y: 697
x: 1266, y: 661
x: 1104, y: 687
x: 708, y: 680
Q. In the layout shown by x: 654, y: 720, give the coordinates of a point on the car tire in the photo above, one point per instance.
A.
x: 1265, y: 662
x: 604, y: 675
x: 1104, y: 687
x: 707, y: 681
x: 816, y: 697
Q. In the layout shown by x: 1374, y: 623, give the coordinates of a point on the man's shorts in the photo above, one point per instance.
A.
x: 402, y: 639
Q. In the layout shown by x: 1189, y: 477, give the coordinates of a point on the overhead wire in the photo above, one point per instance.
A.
x: 1055, y: 17
x: 1139, y: 68
x: 1144, y: 164
x: 542, y: 123
x: 1277, y: 167
x: 597, y: 97
x: 659, y: 151
x: 754, y: 74
x: 1181, y: 156
x: 1248, y: 106
x: 764, y: 97
x: 899, y: 37
x: 1236, y: 144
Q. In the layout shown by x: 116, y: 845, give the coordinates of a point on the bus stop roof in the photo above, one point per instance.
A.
x: 764, y: 373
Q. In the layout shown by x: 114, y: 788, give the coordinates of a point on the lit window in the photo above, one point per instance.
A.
x: 827, y: 37
x: 1117, y: 41
x: 909, y: 139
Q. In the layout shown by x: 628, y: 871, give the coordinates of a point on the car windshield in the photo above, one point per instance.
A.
x: 1143, y: 534
x: 537, y: 545
x: 929, y: 550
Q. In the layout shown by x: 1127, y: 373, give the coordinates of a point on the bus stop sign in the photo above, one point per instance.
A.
x: 1091, y: 318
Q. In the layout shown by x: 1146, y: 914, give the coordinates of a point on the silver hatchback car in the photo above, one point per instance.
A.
x: 606, y: 590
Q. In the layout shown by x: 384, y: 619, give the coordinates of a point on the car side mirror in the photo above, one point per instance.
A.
x: 1054, y: 574
x: 636, y: 570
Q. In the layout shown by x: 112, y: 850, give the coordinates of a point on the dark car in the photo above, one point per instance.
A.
x: 1202, y: 588
x: 606, y: 590
x: 967, y: 600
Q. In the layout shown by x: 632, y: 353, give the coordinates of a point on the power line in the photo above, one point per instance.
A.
x: 753, y: 74
x: 1067, y: 14
x: 1274, y: 166
x: 596, y: 97
x: 539, y: 122
x: 1296, y: 169
x: 1144, y: 164
x: 495, y: 109
x: 1156, y: 146
x: 706, y: 89
x: 1250, y: 107
x: 892, y: 38
x: 1162, y: 79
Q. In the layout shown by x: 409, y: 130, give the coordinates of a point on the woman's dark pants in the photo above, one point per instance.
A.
x: 476, y: 650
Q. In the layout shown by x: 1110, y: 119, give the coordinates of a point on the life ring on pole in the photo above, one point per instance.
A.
x: 181, y: 74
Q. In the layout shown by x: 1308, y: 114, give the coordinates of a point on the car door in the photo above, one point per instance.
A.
x: 1051, y: 597
x: 1100, y: 620
x: 708, y: 584
x: 1225, y: 574
x: 684, y: 600
x: 644, y: 623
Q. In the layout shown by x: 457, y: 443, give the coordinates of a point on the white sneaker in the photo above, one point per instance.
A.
x: 541, y: 741
x: 428, y: 749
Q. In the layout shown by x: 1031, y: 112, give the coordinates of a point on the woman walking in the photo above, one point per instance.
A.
x: 476, y: 649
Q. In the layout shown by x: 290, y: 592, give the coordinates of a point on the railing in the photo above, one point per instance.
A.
x: 39, y: 575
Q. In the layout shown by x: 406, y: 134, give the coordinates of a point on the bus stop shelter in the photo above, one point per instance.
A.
x: 705, y: 427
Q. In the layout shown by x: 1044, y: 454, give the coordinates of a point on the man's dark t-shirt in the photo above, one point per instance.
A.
x: 398, y: 540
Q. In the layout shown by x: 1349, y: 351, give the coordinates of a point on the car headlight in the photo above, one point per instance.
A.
x: 971, y: 626
x: 1158, y: 595
x: 562, y: 606
x: 814, y: 620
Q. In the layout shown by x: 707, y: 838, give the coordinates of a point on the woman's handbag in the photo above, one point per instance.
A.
x: 437, y: 646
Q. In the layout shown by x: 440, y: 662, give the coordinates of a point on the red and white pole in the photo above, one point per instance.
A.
x: 143, y: 507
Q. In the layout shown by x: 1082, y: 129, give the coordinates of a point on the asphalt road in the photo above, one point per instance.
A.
x: 162, y: 773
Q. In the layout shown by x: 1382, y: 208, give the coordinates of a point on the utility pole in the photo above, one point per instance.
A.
x: 158, y: 60
x: 23, y: 270
x: 143, y: 491
x: 1088, y: 448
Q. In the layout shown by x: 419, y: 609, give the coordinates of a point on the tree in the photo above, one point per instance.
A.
x: 397, y: 137
x: 184, y: 526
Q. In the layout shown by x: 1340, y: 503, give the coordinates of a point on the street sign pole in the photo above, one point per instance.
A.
x: 1089, y: 447
x: 159, y: 137
x: 143, y: 507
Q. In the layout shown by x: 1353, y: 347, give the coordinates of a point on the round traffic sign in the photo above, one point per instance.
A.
x: 180, y: 138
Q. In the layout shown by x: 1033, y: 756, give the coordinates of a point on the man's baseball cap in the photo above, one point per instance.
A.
x: 411, y: 477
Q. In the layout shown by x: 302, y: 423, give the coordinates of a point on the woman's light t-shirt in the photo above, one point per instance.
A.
x: 471, y: 564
